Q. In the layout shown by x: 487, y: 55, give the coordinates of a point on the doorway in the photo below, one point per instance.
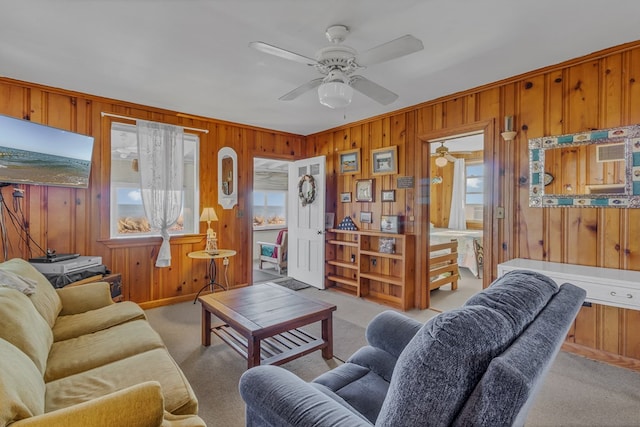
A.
x: 269, y: 211
x: 456, y: 211
x: 457, y: 158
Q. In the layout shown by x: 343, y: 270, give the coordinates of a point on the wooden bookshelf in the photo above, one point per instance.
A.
x: 373, y: 265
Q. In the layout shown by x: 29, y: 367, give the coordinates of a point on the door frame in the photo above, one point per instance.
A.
x: 249, y: 204
x: 491, y: 192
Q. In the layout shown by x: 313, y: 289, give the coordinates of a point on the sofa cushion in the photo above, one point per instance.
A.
x: 361, y: 388
x: 89, y: 351
x: 45, y: 299
x: 75, y: 325
x: 152, y: 365
x: 21, y: 386
x: 22, y: 326
x: 520, y: 295
x: 442, y: 364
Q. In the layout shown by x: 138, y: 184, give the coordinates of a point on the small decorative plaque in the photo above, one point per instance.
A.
x: 405, y: 182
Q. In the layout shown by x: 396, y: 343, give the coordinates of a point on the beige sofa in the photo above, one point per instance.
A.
x: 72, y: 357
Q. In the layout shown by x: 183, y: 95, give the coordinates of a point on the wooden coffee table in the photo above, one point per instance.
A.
x: 261, y: 323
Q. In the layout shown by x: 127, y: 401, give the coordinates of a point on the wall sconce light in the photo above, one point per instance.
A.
x: 509, y: 134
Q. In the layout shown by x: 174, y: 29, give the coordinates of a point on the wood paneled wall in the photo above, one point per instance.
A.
x: 593, y: 92
x: 597, y: 91
x: 77, y: 220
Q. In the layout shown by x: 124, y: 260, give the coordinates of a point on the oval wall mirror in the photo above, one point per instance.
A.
x: 227, y: 178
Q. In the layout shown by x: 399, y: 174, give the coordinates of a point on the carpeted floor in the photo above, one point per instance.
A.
x: 577, y: 392
x: 265, y: 275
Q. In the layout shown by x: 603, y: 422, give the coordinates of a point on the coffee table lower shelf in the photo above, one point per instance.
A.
x: 274, y: 350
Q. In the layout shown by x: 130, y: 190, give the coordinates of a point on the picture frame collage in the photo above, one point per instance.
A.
x: 384, y: 161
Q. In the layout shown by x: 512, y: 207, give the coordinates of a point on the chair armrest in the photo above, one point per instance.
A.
x: 391, y: 331
x: 140, y: 405
x: 276, y: 245
x: 82, y: 298
x: 277, y: 397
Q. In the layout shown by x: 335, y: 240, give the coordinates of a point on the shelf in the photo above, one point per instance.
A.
x: 343, y: 280
x: 343, y: 243
x: 382, y: 254
x: 343, y: 264
x: 382, y: 278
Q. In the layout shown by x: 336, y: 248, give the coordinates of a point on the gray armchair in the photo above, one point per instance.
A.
x: 480, y: 364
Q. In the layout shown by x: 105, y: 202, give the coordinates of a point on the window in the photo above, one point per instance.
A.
x: 269, y: 209
x: 127, y: 214
x: 474, y: 198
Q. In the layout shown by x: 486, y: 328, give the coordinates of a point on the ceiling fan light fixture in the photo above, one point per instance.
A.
x: 441, y: 162
x: 335, y: 94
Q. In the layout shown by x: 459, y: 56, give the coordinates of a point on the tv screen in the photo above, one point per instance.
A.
x: 31, y: 153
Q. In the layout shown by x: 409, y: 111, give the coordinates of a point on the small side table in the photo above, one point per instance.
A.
x: 225, y: 254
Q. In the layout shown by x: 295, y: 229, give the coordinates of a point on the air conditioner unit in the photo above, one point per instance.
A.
x: 610, y: 152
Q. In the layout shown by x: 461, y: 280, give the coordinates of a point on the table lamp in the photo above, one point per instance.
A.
x: 208, y: 215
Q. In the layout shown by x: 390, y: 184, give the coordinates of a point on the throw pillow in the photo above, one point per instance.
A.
x: 11, y: 280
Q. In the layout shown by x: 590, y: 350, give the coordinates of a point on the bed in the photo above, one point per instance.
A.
x: 466, y: 251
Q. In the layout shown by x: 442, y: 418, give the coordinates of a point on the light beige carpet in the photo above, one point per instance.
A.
x: 577, y: 392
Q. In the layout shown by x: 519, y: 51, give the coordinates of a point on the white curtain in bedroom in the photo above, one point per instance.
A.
x: 457, y: 216
x: 161, y: 152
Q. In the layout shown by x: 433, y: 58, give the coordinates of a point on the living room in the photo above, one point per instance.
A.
x: 593, y: 91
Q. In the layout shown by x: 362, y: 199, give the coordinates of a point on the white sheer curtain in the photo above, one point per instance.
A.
x: 457, y: 216
x: 161, y: 149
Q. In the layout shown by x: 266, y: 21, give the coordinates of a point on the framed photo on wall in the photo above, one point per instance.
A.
x: 349, y: 161
x: 384, y: 160
x: 388, y: 195
x: 329, y: 218
x: 366, y: 217
x: 364, y: 190
x: 345, y: 197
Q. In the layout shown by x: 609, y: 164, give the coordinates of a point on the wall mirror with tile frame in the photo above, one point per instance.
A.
x: 599, y: 168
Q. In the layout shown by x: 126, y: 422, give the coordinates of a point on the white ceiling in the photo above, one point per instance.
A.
x: 192, y: 56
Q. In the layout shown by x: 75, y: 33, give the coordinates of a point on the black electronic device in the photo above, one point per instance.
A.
x: 32, y: 153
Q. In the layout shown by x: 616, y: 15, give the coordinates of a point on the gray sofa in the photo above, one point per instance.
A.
x: 477, y: 365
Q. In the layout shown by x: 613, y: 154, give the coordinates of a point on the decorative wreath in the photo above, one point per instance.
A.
x: 308, y: 197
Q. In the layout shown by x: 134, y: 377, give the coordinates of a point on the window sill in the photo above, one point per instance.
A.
x: 123, y: 242
x: 270, y: 227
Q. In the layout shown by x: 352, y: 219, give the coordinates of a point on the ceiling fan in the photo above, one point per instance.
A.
x: 338, y: 63
x: 443, y: 156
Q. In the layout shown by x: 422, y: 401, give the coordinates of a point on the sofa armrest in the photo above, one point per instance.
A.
x: 140, y: 405
x: 277, y: 397
x: 82, y: 298
x: 391, y: 331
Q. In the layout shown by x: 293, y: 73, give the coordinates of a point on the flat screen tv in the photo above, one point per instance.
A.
x: 31, y: 153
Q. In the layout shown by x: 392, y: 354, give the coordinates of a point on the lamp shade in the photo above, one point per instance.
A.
x: 208, y: 215
x: 335, y: 94
x: 441, y: 162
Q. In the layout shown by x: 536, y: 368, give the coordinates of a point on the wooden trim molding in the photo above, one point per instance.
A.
x: 602, y: 356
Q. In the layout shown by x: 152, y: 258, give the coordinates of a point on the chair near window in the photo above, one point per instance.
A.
x: 479, y: 253
x: 275, y: 253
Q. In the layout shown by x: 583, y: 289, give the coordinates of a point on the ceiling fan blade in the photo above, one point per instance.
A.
x: 394, y: 49
x: 449, y: 157
x: 282, y: 53
x: 373, y: 90
x: 301, y: 89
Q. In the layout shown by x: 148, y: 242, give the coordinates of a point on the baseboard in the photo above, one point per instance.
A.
x: 602, y: 356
